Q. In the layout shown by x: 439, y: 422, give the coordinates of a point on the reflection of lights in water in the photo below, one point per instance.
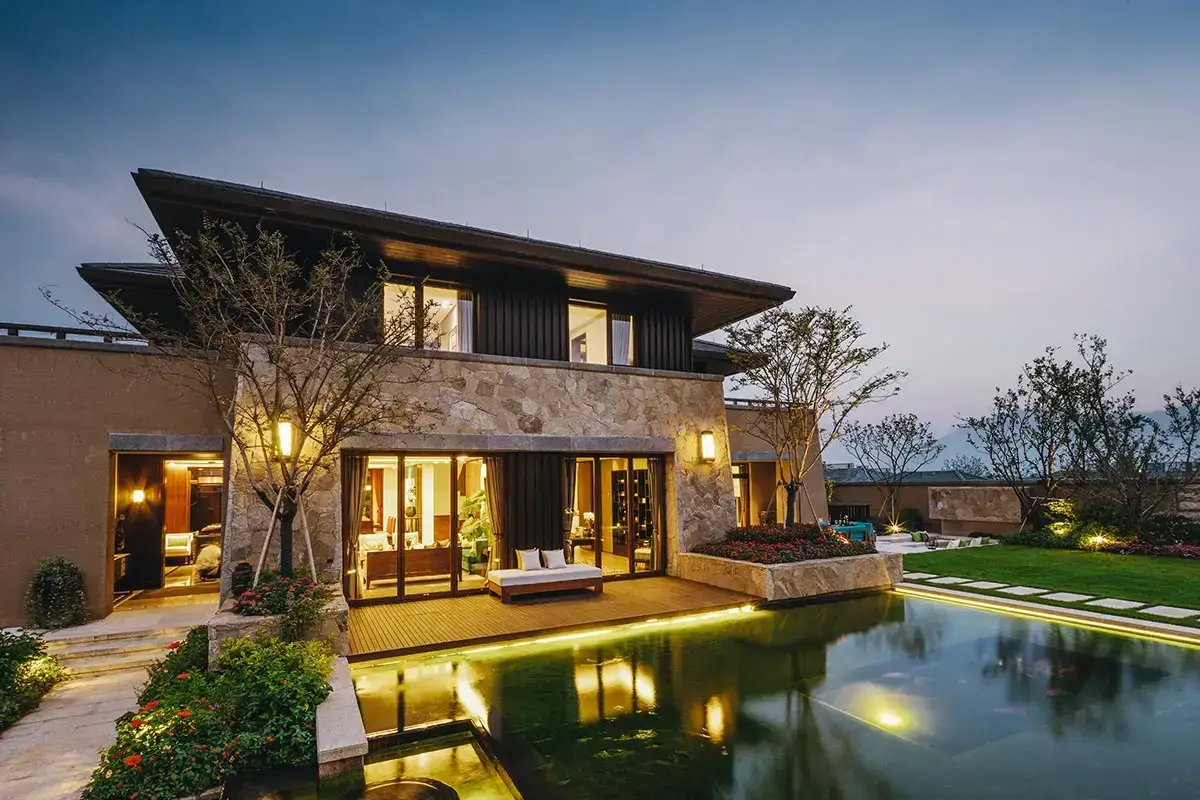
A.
x: 889, y: 719
x: 714, y: 719
x: 643, y: 687
x: 620, y: 685
x: 882, y: 707
x: 472, y: 701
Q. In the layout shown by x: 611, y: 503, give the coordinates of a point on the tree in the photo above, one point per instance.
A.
x: 1026, y: 435
x: 972, y: 466
x: 1129, y: 465
x: 892, y: 449
x: 810, y: 372
x: 269, y: 340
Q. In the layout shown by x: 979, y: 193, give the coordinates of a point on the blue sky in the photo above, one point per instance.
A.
x: 979, y: 179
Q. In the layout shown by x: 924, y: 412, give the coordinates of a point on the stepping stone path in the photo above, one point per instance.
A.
x: 1023, y: 591
x: 1120, y: 605
x: 917, y: 576
x: 1070, y: 597
x: 1171, y: 612
x: 950, y: 580
x: 984, y: 585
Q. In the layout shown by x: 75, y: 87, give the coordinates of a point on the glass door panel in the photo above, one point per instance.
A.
x: 585, y: 512
x: 375, y: 553
x: 614, y: 547
x: 427, y: 560
x: 645, y: 520
x: 476, y: 530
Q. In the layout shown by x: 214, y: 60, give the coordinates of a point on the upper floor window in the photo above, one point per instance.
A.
x: 429, y: 317
x: 599, y: 336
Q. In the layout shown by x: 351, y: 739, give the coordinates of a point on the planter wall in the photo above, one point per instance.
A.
x: 333, y: 626
x: 791, y: 581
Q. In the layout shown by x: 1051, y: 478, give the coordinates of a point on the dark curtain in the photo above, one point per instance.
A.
x: 497, y: 508
x: 354, y: 477
x: 569, y: 502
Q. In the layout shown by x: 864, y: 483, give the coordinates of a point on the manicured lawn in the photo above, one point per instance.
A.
x: 1147, y: 579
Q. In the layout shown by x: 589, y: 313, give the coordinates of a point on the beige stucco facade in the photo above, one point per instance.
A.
x: 764, y: 490
x: 59, y: 403
x: 491, y: 403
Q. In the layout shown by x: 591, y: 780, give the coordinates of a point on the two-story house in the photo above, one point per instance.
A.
x: 575, y: 407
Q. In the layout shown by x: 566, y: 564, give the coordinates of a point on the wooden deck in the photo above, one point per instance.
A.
x: 422, y: 625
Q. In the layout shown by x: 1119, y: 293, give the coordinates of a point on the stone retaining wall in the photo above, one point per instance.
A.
x: 333, y: 626
x: 797, y: 580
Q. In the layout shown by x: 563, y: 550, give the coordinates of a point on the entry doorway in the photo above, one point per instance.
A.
x: 167, y: 523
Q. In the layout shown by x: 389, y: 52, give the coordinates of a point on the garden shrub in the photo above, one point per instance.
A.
x: 911, y: 519
x: 26, y: 673
x: 1168, y: 529
x: 1141, y: 549
x: 57, y: 595
x: 774, y: 546
x: 298, y: 600
x: 252, y: 710
x: 767, y: 534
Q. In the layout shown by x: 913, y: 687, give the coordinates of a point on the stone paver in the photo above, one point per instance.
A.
x: 950, y: 579
x: 138, y: 616
x: 1120, y: 605
x: 51, y: 752
x: 1171, y: 611
x: 1070, y: 597
x: 919, y: 576
x: 1023, y: 591
x: 984, y: 585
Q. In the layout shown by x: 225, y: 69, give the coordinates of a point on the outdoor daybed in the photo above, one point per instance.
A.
x: 510, y: 582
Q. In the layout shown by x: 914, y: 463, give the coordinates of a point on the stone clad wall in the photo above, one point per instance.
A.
x: 801, y: 579
x: 526, y: 404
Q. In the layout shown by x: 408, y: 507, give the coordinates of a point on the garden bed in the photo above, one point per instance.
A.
x: 26, y: 673
x: 331, y: 624
x: 772, y: 582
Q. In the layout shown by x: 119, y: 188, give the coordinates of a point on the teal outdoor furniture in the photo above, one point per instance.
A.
x: 857, y: 531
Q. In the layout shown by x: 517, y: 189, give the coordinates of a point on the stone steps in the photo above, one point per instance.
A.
x: 155, y: 646
x: 111, y: 652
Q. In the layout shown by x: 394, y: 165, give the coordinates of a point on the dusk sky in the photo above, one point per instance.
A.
x: 979, y: 179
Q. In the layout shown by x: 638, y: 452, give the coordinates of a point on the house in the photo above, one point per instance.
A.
x: 947, y: 501
x: 758, y: 496
x: 575, y: 399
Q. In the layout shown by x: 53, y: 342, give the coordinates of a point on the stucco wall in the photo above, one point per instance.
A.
x: 748, y: 447
x: 873, y: 497
x: 541, y: 402
x: 59, y: 401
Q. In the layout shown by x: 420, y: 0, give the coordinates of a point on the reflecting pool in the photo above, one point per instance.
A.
x: 877, y: 697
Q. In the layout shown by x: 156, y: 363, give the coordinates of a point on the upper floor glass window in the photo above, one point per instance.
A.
x: 596, y: 335
x: 429, y: 317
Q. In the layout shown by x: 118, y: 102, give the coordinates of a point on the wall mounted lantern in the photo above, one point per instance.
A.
x: 138, y: 495
x: 708, y: 447
x: 283, y: 436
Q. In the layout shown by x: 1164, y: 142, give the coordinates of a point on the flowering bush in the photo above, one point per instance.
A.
x: 26, y: 673
x: 298, y: 599
x: 763, y: 544
x: 255, y: 708
x: 1140, y: 549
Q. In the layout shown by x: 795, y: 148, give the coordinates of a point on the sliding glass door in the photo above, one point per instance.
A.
x: 614, y: 512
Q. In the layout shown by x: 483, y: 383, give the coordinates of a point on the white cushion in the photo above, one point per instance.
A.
x: 953, y: 544
x: 555, y: 559
x: 372, y: 541
x: 525, y: 577
x: 528, y: 560
x: 977, y: 541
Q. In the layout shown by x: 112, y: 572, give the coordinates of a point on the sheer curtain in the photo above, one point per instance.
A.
x: 497, y: 506
x: 354, y: 477
x: 466, y: 323
x: 622, y: 339
x: 569, y: 519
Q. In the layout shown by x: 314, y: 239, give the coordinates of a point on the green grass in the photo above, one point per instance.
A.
x: 1147, y: 579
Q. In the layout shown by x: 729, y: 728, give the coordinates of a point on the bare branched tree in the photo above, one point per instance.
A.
x: 973, y: 466
x: 892, y: 449
x: 269, y: 339
x: 811, y: 372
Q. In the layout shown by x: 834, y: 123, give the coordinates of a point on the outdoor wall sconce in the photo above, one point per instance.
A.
x: 283, y: 436
x: 138, y: 495
x: 708, y: 447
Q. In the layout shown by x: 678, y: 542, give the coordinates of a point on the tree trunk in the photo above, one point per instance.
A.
x: 790, y: 491
x: 287, y: 513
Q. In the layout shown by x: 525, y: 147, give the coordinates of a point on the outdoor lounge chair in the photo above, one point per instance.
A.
x: 508, y: 583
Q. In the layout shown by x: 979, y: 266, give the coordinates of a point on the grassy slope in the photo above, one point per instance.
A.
x: 1147, y: 579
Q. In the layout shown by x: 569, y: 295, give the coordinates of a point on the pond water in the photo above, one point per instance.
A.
x: 876, y: 697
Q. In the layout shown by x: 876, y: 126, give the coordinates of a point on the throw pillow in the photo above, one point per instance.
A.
x: 555, y: 559
x: 528, y: 559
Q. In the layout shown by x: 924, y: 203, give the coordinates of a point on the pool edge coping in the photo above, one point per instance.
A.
x: 1130, y: 626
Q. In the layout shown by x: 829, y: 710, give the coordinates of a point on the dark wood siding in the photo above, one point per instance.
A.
x: 534, y: 515
x: 663, y: 339
x: 522, y: 321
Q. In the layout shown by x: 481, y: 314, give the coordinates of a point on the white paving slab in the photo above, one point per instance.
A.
x: 1171, y: 612
x: 1120, y: 605
x: 1070, y: 597
x: 1022, y: 591
x: 919, y: 576
x: 984, y: 585
x: 950, y: 579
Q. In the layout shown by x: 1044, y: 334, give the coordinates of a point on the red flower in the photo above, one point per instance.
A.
x: 153, y: 704
x: 174, y: 645
x: 133, y: 761
x: 183, y: 676
x: 135, y: 723
x: 184, y: 714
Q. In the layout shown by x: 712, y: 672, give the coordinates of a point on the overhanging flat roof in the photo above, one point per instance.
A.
x: 180, y: 202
